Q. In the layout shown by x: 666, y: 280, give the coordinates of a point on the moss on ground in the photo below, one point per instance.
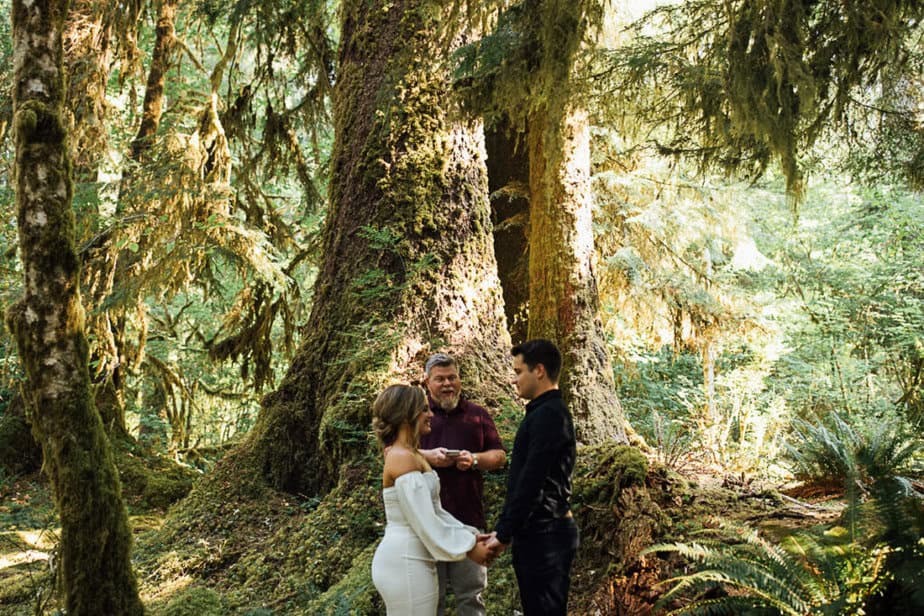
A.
x: 19, y: 453
x: 151, y: 481
x: 195, y: 601
x: 235, y: 546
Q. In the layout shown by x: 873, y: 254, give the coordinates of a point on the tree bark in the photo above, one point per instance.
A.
x: 563, y: 301
x: 95, y: 569
x: 408, y: 265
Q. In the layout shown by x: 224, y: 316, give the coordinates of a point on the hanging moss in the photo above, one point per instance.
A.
x: 740, y: 84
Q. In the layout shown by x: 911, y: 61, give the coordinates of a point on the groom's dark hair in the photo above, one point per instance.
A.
x: 540, y: 351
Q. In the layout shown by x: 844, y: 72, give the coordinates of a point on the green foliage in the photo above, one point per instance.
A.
x: 660, y: 382
x: 844, y: 570
x: 736, y: 84
x: 853, y: 267
x: 841, y: 455
x: 6, y: 79
x: 823, y: 455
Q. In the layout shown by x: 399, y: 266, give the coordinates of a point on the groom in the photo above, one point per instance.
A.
x: 537, y: 517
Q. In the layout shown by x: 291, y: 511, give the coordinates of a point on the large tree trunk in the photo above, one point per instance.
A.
x: 408, y: 263
x: 95, y: 569
x: 563, y: 301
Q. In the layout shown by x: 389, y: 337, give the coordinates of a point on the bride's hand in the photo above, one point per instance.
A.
x: 481, y: 554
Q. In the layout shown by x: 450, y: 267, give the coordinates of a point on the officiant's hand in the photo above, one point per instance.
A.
x: 464, y: 460
x: 437, y: 457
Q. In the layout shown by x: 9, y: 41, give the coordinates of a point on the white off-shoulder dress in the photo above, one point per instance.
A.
x: 418, y: 533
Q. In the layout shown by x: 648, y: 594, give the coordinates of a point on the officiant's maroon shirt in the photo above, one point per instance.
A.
x: 470, y: 427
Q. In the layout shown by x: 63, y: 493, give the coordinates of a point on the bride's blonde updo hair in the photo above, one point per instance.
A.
x: 394, y: 406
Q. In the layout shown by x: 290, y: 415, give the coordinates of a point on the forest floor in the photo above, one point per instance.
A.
x: 246, y: 573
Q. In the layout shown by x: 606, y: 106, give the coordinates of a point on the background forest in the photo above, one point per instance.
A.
x: 251, y: 273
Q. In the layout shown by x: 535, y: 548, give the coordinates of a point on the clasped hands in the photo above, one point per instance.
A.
x: 487, y: 549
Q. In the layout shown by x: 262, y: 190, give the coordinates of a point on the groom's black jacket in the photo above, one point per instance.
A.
x: 539, y: 483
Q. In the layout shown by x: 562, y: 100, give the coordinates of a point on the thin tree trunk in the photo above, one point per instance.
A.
x: 713, y: 428
x: 408, y: 265
x: 161, y: 60
x: 95, y: 568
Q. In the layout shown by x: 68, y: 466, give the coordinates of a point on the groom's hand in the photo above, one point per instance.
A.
x: 495, y: 547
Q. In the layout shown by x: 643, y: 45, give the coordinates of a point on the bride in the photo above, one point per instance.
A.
x: 418, y: 532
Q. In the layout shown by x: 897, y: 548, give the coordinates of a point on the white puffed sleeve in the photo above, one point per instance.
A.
x: 445, y: 537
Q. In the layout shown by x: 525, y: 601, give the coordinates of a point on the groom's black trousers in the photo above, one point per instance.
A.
x: 542, y: 557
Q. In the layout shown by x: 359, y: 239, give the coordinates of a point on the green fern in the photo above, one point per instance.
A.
x: 820, y: 454
x: 874, y: 564
x: 839, y: 454
x: 804, y: 575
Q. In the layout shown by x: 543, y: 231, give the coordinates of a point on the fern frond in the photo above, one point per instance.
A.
x: 721, y: 606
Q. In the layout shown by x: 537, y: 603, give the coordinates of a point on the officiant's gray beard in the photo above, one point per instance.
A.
x: 448, y: 403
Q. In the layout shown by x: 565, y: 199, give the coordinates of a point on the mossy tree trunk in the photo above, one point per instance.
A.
x: 161, y: 61
x: 563, y: 300
x: 408, y: 263
x: 95, y: 569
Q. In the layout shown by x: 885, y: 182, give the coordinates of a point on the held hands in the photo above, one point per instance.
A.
x: 480, y: 553
x: 496, y: 547
x: 487, y: 549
